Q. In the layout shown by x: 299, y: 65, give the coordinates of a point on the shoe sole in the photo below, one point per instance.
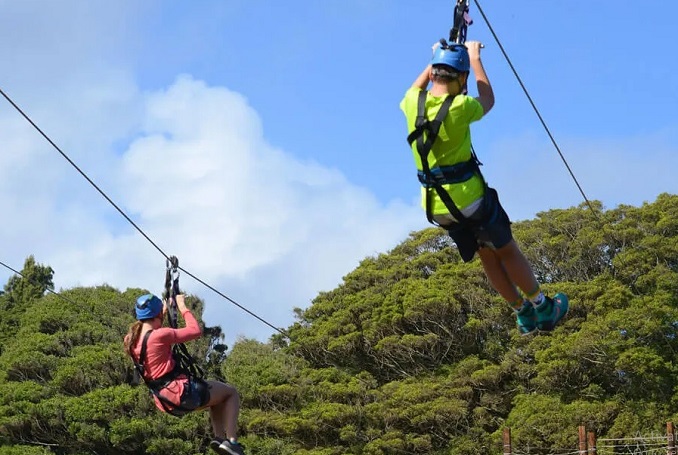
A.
x: 561, y: 306
x: 221, y: 450
x: 531, y: 332
x: 226, y: 451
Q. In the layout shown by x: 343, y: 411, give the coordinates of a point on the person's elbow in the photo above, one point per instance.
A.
x: 488, y: 104
x: 192, y: 331
x: 488, y: 107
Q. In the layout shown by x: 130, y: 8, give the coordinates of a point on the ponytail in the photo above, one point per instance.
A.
x: 132, y: 337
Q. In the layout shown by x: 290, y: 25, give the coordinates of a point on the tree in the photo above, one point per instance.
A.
x: 413, y: 352
x: 34, y: 281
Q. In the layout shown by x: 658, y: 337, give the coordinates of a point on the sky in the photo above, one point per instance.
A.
x: 261, y: 142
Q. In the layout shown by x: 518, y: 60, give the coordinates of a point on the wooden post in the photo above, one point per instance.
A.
x: 582, y: 440
x: 592, y: 443
x: 671, y: 439
x: 506, y: 438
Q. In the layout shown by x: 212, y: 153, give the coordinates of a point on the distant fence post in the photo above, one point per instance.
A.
x: 592, y: 443
x: 582, y: 440
x: 506, y: 438
x: 671, y: 439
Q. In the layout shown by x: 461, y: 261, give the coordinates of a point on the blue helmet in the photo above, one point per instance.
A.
x: 148, y: 306
x: 454, y: 55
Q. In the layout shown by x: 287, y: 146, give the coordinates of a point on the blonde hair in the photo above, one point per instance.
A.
x: 132, y: 337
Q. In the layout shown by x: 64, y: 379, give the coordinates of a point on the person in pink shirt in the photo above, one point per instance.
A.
x: 174, y: 390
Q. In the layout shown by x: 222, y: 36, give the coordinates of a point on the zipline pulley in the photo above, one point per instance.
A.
x: 172, y: 289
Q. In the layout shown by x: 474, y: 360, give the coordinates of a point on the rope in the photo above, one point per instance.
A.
x: 48, y: 289
x: 536, y: 110
x: 51, y: 291
x: 124, y: 215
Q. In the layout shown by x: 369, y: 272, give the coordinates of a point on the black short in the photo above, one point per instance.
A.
x: 489, y: 225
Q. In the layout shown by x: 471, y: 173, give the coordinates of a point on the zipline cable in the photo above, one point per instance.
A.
x: 536, y: 110
x: 51, y: 291
x: 70, y: 161
x: 105, y: 196
x: 26, y: 278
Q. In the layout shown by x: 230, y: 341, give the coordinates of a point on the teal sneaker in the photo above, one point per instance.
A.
x: 550, y: 311
x: 526, y: 318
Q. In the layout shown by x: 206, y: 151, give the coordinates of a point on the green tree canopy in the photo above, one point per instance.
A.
x: 412, y: 353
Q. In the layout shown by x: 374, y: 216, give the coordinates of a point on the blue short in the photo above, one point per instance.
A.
x: 196, y: 395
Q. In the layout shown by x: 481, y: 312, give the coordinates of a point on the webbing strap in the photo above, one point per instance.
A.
x: 461, y: 22
x: 142, y: 355
x: 160, y: 382
x: 172, y: 289
x: 424, y: 145
x: 179, y: 350
x: 422, y: 124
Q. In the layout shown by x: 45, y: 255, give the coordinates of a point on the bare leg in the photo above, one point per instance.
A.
x: 517, y: 268
x: 498, y: 276
x: 224, y: 407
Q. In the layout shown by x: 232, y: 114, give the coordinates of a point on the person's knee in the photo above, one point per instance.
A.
x: 489, y: 259
x: 220, y: 392
x: 486, y: 253
x: 510, y: 249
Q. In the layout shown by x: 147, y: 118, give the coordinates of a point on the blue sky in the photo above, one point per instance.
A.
x: 335, y: 72
x: 262, y: 143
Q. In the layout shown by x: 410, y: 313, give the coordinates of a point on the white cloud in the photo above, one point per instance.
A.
x: 266, y: 229
x: 201, y: 180
x: 531, y: 177
x: 191, y: 164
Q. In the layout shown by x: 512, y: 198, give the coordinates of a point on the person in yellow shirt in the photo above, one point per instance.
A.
x: 454, y: 192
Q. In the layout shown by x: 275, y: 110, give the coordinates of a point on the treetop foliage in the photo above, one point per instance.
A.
x: 412, y: 353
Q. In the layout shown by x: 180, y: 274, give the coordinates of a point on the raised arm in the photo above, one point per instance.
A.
x: 192, y: 330
x: 423, y: 79
x: 485, y: 92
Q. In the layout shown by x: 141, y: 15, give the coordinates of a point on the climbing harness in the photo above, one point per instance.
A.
x: 426, y: 132
x: 184, y: 364
x: 156, y: 385
x: 435, y: 178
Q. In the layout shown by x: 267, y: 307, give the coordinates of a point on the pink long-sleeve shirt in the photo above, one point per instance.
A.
x: 159, y: 360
